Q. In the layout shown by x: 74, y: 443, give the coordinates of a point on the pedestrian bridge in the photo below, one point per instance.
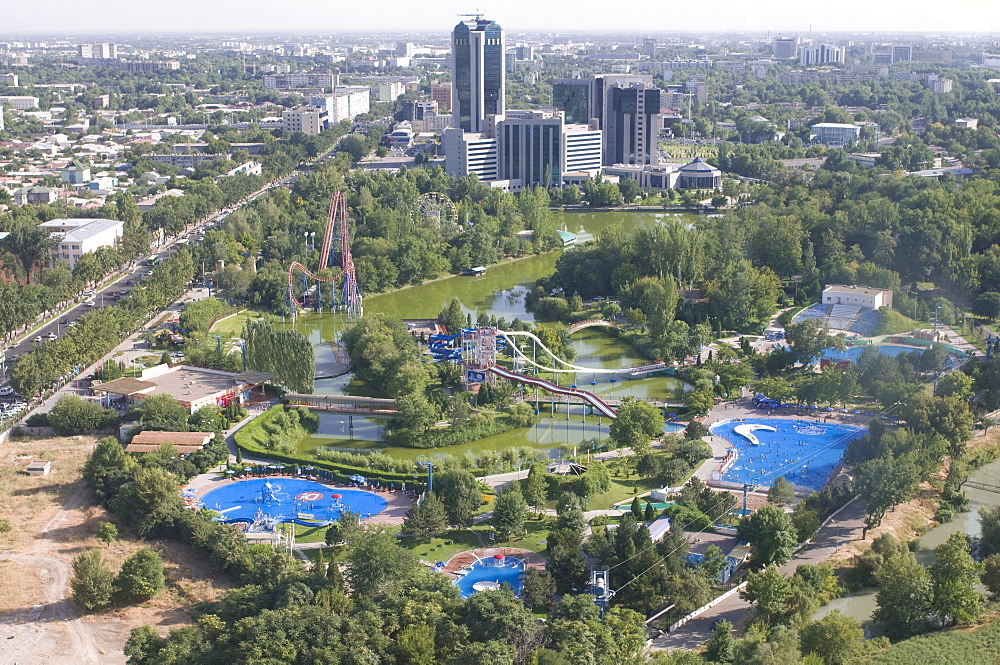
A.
x: 590, y: 323
x: 342, y: 403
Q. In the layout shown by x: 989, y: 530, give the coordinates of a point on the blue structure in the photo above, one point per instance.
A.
x: 288, y: 500
x: 805, y: 452
x: 488, y: 573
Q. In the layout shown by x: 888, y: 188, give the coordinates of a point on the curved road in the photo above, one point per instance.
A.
x: 844, y: 528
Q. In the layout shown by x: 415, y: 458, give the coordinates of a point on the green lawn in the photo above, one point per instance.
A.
x: 233, y: 326
x: 894, y: 323
x: 959, y: 645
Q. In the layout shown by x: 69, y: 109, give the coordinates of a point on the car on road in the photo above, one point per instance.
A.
x: 123, y: 292
x: 6, y: 390
x: 38, y: 339
x: 50, y: 336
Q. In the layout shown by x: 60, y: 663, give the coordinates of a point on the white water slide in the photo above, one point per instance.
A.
x: 572, y: 369
x: 748, y: 429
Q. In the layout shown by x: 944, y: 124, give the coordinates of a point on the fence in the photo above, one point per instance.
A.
x: 704, y: 608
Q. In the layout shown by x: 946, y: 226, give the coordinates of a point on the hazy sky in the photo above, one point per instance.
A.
x: 111, y: 16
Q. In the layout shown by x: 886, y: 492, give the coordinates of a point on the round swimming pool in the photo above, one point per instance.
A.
x: 287, y: 499
x: 491, y: 573
x: 805, y: 452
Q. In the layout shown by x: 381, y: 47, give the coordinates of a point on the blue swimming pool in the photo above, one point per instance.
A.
x: 282, y: 499
x: 852, y: 353
x: 487, y: 573
x: 804, y: 451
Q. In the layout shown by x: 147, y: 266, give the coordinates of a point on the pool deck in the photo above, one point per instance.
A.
x: 396, y: 502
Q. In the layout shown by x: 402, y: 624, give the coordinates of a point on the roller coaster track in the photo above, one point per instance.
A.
x: 298, y: 266
x: 338, y: 209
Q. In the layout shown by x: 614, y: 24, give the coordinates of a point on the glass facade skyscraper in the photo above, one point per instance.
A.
x: 479, y: 85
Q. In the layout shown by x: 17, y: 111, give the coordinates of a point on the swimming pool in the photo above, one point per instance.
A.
x: 489, y: 573
x: 284, y: 499
x: 852, y: 353
x: 804, y: 451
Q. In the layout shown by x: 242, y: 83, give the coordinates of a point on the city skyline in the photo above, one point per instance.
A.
x: 785, y: 16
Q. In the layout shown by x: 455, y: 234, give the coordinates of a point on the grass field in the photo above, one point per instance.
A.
x: 975, y: 646
x: 688, y: 151
x: 894, y: 322
x: 232, y: 326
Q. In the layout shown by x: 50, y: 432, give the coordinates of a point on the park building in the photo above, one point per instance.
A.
x: 858, y: 296
x: 649, y: 176
x: 192, y: 387
x: 699, y: 175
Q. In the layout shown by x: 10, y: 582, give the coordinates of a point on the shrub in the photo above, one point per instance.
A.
x: 92, y: 581
x: 141, y: 577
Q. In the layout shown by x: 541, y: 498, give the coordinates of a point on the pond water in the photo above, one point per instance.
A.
x: 500, y: 292
x: 861, y: 604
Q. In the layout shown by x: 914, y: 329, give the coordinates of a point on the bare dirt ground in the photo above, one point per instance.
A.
x: 54, y: 518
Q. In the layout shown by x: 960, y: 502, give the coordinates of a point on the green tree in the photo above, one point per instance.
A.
x: 699, y: 402
x: 781, y: 492
x: 377, y: 564
x: 629, y: 189
x: 286, y: 354
x: 345, y: 529
x: 108, y: 468
x: 538, y: 588
x: 637, y: 423
x: 808, y: 338
x: 72, y: 415
x: 149, y: 501
x: 721, y: 644
x: 415, y: 645
x: 991, y: 574
x: 140, y: 577
x: 107, y: 532
x: 92, y: 581
x: 161, y: 412
x: 461, y: 494
x: 835, y: 638
x: 535, y: 488
x: 954, y: 575
x: 772, y: 535
x: 770, y: 592
x: 883, y: 483
x: 509, y: 512
x: 425, y: 520
x: 452, y: 317
x: 904, y: 597
x: 497, y: 614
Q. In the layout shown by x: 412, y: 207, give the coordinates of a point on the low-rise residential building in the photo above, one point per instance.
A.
x: 75, y: 173
x: 835, y: 134
x: 305, y: 119
x: 80, y: 235
x: 35, y: 194
x: 19, y: 102
x: 308, y: 80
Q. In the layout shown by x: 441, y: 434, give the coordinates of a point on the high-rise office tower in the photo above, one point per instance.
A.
x: 572, y: 97
x: 786, y: 48
x: 627, y: 107
x: 478, y: 79
x: 649, y: 47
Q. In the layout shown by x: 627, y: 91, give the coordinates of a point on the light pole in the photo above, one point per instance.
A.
x: 422, y: 460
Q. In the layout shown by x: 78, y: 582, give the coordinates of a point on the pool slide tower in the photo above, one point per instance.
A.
x: 350, y: 294
x: 478, y: 354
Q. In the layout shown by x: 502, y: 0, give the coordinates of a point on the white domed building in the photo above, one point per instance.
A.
x: 699, y: 175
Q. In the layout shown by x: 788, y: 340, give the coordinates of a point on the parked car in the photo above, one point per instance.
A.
x: 6, y: 390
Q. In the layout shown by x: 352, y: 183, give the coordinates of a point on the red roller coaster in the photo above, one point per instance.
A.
x: 350, y: 293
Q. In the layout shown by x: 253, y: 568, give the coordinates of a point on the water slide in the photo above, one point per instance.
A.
x: 589, y: 398
x: 748, y: 429
x: 573, y: 369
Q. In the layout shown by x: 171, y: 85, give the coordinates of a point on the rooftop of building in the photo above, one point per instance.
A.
x: 854, y: 288
x: 184, y: 382
x: 698, y: 165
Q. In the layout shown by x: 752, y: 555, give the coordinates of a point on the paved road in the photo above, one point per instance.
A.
x: 842, y: 529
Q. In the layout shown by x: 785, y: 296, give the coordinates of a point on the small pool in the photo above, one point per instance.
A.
x: 853, y: 353
x: 674, y: 428
x: 805, y: 452
x: 286, y: 499
x: 490, y: 573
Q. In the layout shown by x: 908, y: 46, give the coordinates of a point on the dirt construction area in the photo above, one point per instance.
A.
x: 53, y: 518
